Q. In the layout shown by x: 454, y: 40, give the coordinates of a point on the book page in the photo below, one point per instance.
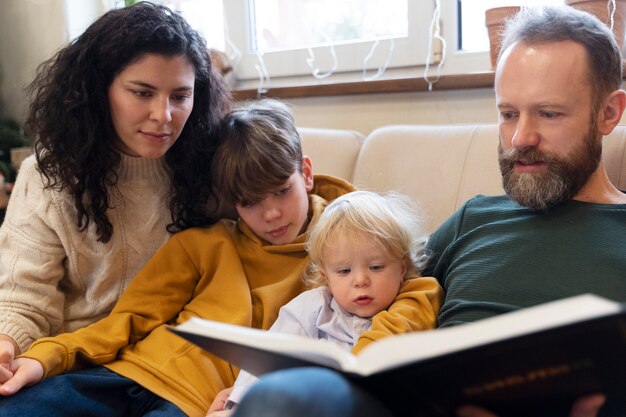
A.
x: 247, y: 348
x: 315, y: 352
x: 398, y: 350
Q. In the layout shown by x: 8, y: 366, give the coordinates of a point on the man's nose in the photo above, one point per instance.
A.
x: 526, y: 134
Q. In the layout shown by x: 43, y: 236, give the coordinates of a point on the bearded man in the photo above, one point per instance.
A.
x: 561, y: 229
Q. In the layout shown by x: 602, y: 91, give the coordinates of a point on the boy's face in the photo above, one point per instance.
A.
x: 363, y: 277
x: 283, y: 214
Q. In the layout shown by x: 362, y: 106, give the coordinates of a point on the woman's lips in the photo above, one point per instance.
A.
x: 155, y: 136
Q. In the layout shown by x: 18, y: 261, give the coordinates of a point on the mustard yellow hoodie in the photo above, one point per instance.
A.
x: 225, y: 273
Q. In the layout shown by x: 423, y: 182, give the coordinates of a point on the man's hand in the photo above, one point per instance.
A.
x: 217, y: 407
x: 25, y: 372
x: 588, y: 406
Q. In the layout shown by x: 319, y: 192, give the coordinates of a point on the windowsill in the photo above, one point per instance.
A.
x: 395, y: 85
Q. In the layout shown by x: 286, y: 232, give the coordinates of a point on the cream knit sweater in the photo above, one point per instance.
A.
x: 54, y: 278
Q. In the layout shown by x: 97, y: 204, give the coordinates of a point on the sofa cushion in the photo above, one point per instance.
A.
x: 440, y: 166
x: 332, y: 152
x: 614, y: 156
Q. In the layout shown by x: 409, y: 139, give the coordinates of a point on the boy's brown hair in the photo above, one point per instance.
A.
x: 259, y: 150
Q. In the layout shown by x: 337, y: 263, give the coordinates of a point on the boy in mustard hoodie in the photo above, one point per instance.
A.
x: 238, y: 272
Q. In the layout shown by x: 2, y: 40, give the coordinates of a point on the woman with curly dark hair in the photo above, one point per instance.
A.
x: 124, y: 119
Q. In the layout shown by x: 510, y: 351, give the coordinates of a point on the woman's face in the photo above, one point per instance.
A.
x: 150, y: 100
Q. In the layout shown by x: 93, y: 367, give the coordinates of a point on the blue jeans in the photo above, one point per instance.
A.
x: 94, y: 392
x: 308, y: 392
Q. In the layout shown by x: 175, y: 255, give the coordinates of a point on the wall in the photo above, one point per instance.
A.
x: 30, y: 32
x: 366, y: 112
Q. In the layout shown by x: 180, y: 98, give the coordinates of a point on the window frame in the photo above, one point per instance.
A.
x: 291, y: 63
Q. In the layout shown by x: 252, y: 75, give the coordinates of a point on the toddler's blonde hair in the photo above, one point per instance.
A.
x: 391, y: 220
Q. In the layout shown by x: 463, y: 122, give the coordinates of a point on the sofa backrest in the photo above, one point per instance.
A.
x: 440, y: 166
x: 332, y: 152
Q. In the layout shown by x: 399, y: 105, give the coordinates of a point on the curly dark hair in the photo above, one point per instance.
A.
x: 70, y: 118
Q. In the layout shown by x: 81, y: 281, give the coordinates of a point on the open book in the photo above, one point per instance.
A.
x: 529, y: 363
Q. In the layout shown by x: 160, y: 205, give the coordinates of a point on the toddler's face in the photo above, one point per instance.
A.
x: 362, y: 276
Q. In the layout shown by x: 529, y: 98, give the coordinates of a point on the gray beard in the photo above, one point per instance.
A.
x: 563, y: 180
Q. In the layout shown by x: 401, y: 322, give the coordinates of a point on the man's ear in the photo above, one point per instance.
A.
x: 611, y: 111
x: 307, y: 172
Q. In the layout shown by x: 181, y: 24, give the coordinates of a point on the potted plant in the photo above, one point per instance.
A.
x: 11, y: 137
x: 494, y: 20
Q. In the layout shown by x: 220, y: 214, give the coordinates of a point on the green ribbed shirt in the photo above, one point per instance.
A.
x: 494, y: 255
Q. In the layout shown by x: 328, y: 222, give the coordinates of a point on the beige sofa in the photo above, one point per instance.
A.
x: 441, y: 166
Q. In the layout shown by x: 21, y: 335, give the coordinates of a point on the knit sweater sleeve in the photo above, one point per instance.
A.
x: 31, y: 261
x: 157, y: 295
x: 415, y: 308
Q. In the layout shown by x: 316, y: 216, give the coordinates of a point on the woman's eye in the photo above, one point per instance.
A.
x: 181, y: 97
x: 141, y: 93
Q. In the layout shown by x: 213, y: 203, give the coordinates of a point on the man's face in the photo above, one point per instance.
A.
x: 549, y: 141
x: 283, y: 214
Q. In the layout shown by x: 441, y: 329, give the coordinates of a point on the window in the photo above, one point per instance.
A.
x: 298, y: 37
x: 354, y: 38
x: 296, y: 24
x: 206, y: 16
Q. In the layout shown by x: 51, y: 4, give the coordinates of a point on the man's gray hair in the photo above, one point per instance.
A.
x: 535, y: 25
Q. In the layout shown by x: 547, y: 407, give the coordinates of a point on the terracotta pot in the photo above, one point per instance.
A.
x: 599, y: 8
x: 494, y: 20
